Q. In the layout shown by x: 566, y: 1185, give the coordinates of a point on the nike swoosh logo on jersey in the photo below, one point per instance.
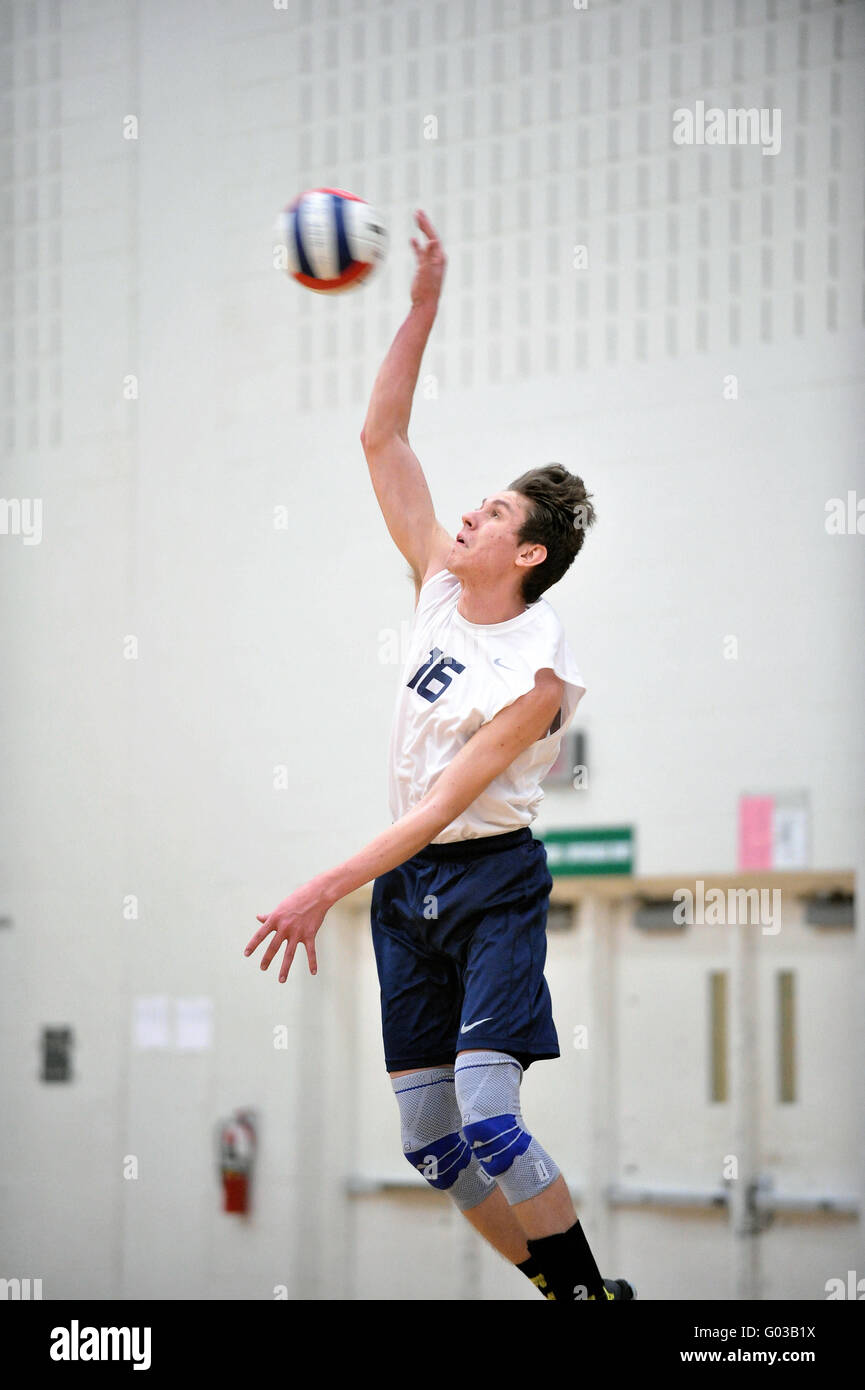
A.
x: 497, y: 661
x: 467, y: 1027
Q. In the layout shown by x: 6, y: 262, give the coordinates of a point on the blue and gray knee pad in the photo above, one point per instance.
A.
x: 487, y: 1086
x: 431, y: 1137
x: 462, y: 1130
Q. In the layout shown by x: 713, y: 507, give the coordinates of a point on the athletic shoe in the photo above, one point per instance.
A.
x: 617, y: 1289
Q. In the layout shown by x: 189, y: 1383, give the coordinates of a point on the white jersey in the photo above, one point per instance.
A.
x: 457, y: 676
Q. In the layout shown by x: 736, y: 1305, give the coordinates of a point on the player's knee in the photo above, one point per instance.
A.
x: 487, y: 1086
x: 431, y: 1137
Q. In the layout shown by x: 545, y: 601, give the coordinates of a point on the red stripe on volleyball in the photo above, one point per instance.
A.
x: 358, y: 271
x: 340, y: 192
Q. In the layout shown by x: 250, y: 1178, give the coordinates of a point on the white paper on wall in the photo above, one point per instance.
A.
x: 790, y: 832
x: 150, y: 1021
x: 193, y: 1024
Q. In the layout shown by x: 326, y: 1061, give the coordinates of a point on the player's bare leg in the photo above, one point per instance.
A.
x: 549, y: 1213
x: 507, y: 1228
x: 559, y: 1259
x: 495, y: 1221
x: 493, y: 1218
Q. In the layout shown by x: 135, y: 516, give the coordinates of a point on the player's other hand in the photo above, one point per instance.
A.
x: 296, y: 919
x: 431, y: 262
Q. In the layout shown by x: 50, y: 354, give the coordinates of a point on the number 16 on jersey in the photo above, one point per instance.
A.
x: 436, y: 670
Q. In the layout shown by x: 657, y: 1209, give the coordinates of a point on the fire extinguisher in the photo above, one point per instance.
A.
x: 237, y: 1145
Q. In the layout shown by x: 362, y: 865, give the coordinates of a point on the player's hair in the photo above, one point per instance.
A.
x: 560, y: 513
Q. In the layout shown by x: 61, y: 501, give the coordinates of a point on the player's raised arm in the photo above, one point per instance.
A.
x: 396, y: 474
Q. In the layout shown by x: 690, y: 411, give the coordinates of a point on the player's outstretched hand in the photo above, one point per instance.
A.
x: 431, y: 262
x: 296, y: 919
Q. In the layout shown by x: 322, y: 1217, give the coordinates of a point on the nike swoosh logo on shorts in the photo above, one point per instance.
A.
x: 498, y: 662
x: 467, y: 1027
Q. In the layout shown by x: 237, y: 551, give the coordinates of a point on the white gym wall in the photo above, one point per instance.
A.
x: 195, y: 702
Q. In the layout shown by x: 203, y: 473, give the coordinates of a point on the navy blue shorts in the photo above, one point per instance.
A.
x: 459, y: 933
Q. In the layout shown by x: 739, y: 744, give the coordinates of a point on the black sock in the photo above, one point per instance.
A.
x: 568, y: 1265
x: 531, y: 1269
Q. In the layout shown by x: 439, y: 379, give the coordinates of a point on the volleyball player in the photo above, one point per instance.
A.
x: 461, y: 886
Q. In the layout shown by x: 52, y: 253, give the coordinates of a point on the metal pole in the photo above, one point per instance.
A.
x: 597, y: 922
x: 744, y: 1111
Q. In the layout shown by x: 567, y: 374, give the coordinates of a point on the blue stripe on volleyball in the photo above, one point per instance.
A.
x: 305, y: 266
x: 341, y: 238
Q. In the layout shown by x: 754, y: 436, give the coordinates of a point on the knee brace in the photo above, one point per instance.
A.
x: 487, y: 1088
x: 431, y: 1138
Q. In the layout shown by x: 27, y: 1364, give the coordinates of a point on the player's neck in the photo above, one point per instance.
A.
x: 489, y: 606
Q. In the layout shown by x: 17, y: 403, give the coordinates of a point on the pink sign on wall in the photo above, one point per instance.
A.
x: 756, y: 816
x: 774, y: 830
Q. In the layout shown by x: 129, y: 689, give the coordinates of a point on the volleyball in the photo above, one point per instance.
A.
x: 333, y: 239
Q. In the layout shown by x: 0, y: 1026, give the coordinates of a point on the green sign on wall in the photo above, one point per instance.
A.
x: 608, y: 851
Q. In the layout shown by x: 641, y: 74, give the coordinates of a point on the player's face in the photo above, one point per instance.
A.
x: 486, y: 545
